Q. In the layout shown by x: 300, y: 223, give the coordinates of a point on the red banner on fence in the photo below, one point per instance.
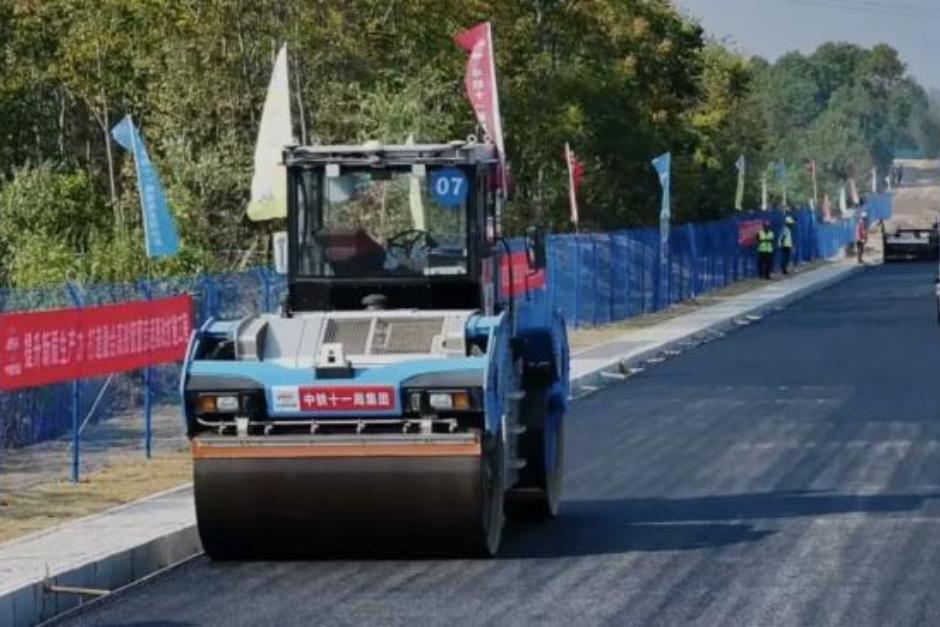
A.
x: 748, y: 230
x: 43, y: 347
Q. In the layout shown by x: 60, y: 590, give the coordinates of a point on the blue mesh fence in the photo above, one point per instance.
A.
x: 599, y: 278
x: 592, y: 278
x: 43, y: 413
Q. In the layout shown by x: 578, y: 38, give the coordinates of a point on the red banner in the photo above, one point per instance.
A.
x: 480, y: 82
x: 347, y: 398
x: 41, y: 347
x: 748, y: 230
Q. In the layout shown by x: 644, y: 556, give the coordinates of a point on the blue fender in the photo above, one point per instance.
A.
x: 500, y: 378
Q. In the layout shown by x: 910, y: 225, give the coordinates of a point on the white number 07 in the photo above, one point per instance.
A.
x: 449, y: 186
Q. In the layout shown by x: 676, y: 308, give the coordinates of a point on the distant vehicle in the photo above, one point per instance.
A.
x: 937, y: 293
x: 912, y: 244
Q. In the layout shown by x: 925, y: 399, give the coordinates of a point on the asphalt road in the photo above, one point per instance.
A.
x: 788, y: 474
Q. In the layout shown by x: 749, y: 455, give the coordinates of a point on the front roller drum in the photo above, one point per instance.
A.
x: 257, y: 499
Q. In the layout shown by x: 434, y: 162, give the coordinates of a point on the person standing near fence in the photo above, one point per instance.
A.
x: 786, y: 244
x: 765, y: 250
x: 861, y: 236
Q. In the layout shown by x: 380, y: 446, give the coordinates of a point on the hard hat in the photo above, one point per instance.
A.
x: 790, y: 220
x: 864, y: 214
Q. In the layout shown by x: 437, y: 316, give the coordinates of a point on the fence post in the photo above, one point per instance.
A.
x: 266, y: 286
x: 612, y: 267
x: 147, y: 289
x: 594, y: 281
x: 76, y: 399
x: 577, y: 281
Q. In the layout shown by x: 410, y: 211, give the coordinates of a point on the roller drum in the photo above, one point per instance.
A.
x: 253, y: 505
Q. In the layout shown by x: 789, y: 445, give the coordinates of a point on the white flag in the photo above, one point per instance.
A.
x: 269, y: 183
x: 572, y: 184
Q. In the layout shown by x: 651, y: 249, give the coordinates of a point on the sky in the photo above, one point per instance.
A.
x: 770, y: 28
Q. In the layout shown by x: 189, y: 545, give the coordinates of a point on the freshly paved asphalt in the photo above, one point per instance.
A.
x: 787, y: 474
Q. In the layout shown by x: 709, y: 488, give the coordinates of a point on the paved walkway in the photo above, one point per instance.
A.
x: 123, y: 544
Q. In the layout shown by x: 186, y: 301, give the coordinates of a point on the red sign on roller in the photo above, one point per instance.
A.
x: 349, y: 398
x: 41, y: 347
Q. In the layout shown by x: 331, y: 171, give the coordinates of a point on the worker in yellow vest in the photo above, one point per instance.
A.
x: 765, y: 250
x: 786, y: 244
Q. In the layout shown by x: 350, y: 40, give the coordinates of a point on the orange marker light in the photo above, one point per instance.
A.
x: 461, y: 400
x: 205, y: 405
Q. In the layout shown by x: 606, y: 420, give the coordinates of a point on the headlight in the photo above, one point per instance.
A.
x: 212, y: 404
x: 226, y: 404
x: 438, y: 400
x: 441, y: 401
x: 458, y: 400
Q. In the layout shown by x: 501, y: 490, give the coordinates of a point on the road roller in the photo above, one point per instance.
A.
x: 412, y: 383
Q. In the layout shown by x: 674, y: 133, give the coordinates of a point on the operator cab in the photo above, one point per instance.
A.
x: 406, y: 226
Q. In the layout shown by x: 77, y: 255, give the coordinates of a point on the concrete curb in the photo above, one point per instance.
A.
x: 38, y: 601
x: 35, y: 602
x: 620, y: 368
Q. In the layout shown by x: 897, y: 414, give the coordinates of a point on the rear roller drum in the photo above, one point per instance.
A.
x: 543, y: 446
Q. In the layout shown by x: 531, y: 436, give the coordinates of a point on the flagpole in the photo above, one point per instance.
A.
x: 572, y: 193
x: 148, y: 294
x: 815, y: 184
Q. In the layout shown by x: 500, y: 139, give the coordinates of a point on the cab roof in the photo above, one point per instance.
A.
x: 374, y: 154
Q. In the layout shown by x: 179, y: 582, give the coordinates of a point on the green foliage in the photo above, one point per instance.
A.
x: 47, y: 221
x: 621, y: 80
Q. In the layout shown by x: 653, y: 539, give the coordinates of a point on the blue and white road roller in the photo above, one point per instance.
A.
x: 413, y: 380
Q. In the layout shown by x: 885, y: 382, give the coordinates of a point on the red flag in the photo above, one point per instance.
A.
x: 480, y: 83
x: 575, y: 174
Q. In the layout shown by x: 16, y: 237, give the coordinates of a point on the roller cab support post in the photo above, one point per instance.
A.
x: 415, y: 379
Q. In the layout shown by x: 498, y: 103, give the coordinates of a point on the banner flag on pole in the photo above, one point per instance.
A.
x: 575, y: 174
x: 811, y: 170
x: 269, y: 181
x: 159, y: 228
x: 781, y: 170
x: 853, y: 190
x: 480, y: 83
x: 741, y: 165
x: 874, y: 180
x: 764, y: 204
x: 663, y: 165
x: 843, y: 199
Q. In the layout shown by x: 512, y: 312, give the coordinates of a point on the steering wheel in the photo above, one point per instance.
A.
x: 406, y: 241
